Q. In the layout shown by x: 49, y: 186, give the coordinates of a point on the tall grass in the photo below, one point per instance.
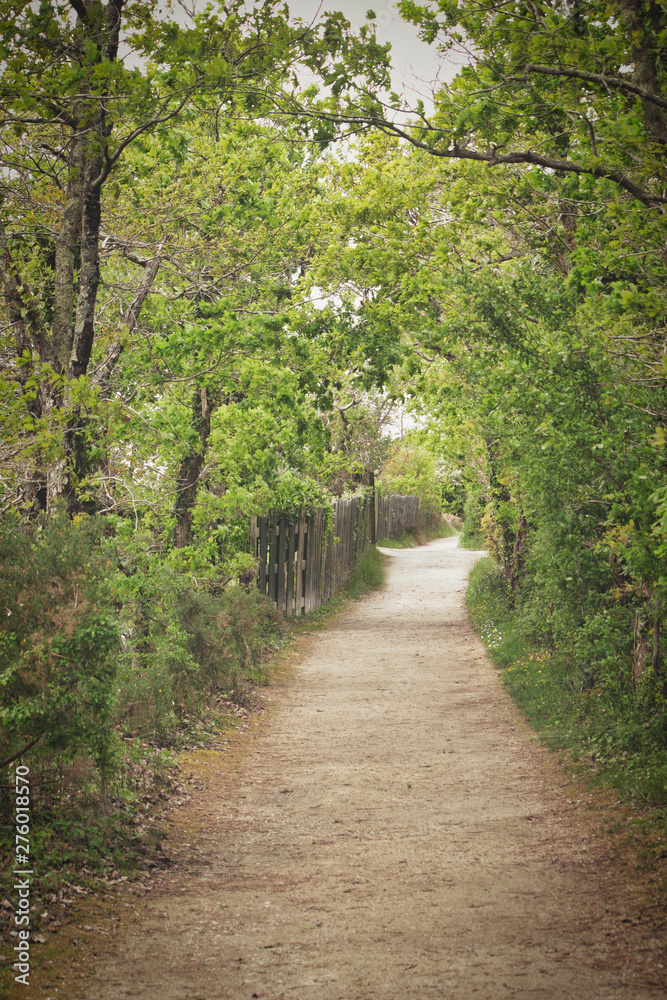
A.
x: 368, y: 573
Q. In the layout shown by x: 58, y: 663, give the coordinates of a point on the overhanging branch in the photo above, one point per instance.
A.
x: 492, y: 159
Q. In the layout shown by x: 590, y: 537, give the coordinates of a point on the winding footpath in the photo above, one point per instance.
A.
x: 395, y: 833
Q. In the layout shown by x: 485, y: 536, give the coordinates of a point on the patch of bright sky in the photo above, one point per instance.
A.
x: 418, y: 68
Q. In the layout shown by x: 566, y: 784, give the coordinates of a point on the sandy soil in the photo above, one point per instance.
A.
x: 395, y: 833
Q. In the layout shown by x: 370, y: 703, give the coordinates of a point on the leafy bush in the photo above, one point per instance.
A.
x: 186, y: 640
x: 291, y: 493
x: 473, y: 535
x: 578, y: 694
x: 59, y: 637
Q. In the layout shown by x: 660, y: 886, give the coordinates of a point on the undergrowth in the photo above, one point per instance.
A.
x: 614, y: 734
x: 474, y: 541
x: 473, y: 535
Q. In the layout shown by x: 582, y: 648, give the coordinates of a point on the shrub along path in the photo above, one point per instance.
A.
x: 395, y: 832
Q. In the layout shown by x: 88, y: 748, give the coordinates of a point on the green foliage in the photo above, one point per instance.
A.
x: 189, y: 646
x: 97, y: 633
x: 472, y: 535
x: 291, y: 493
x: 452, y: 490
x: 532, y: 71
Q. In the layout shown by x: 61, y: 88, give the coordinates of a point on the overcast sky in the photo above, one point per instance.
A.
x: 417, y: 66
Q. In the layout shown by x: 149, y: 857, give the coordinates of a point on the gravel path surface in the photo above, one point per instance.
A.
x: 395, y: 834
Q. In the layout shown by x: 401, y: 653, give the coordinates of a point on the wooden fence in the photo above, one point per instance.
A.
x: 300, y: 565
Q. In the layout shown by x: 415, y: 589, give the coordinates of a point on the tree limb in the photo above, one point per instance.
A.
x: 606, y: 81
x: 102, y: 374
x: 157, y: 119
x: 494, y: 158
x: 144, y: 287
x: 19, y: 753
x: 80, y: 10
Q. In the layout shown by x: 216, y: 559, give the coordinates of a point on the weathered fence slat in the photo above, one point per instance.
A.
x: 273, y: 560
x: 318, y: 558
x: 289, y: 601
x: 309, y: 557
x: 280, y: 572
x: 263, y: 545
x: 300, y: 565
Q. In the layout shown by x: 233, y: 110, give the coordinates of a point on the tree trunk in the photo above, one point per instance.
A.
x: 67, y: 246
x: 191, y: 466
x: 644, y: 21
x: 519, y: 555
x: 89, y: 273
x: 640, y: 650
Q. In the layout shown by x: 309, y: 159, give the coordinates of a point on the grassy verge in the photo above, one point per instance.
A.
x: 472, y: 539
x: 368, y: 574
x: 611, y: 739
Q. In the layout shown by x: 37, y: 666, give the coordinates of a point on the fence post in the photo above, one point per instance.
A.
x: 289, y: 596
x: 299, y: 608
x: 318, y: 558
x: 307, y: 605
x: 273, y: 559
x: 263, y: 545
x: 374, y: 510
x: 280, y: 582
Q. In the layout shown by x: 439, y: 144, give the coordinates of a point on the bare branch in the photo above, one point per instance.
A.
x: 615, y: 82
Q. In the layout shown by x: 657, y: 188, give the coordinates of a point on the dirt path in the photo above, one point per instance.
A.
x: 395, y: 834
